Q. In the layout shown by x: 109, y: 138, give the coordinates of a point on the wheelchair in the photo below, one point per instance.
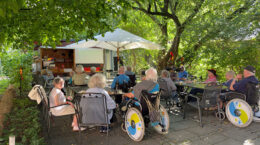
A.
x: 241, y: 108
x: 138, y: 115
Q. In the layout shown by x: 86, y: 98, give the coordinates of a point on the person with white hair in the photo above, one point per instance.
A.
x: 57, y: 98
x: 97, y: 84
x: 150, y: 84
x: 122, y: 78
x: 171, y: 87
x: 229, y: 77
x: 92, y: 71
x: 79, y: 78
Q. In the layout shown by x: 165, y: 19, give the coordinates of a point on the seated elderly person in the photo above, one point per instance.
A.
x: 58, y: 98
x: 120, y: 82
x: 212, y: 77
x: 92, y: 71
x: 165, y: 75
x: 182, y: 75
x: 150, y: 84
x: 129, y: 71
x: 79, y: 78
x: 240, y: 86
x: 122, y: 78
x: 97, y: 84
x: 229, y: 77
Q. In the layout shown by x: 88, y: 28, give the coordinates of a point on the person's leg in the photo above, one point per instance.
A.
x: 194, y: 91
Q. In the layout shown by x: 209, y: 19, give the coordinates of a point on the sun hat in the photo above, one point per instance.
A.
x: 213, y: 71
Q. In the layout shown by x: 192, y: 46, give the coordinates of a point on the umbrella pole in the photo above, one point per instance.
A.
x: 117, y: 59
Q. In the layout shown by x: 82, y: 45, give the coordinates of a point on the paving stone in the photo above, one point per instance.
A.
x: 229, y: 142
x: 181, y: 135
x: 213, y: 138
x: 181, y: 132
x: 239, y: 134
x: 206, y: 129
x: 184, y: 124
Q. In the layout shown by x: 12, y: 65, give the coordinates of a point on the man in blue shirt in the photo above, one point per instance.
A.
x: 182, y: 75
x: 249, y: 76
x: 122, y: 78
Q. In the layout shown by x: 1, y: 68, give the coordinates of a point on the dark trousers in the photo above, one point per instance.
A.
x: 194, y: 91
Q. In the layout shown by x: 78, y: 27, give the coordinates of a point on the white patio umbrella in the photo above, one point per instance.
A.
x: 117, y: 40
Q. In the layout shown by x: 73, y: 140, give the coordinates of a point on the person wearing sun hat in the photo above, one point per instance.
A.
x: 249, y: 76
x: 212, y: 76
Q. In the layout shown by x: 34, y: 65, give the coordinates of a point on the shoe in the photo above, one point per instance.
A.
x: 76, y: 128
x: 101, y: 129
x: 105, y: 129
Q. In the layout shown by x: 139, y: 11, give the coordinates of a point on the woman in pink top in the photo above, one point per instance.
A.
x: 212, y: 76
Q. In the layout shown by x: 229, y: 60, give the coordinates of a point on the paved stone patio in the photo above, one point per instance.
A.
x: 182, y: 132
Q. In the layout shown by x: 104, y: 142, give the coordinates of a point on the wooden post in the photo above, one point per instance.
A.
x: 11, y: 140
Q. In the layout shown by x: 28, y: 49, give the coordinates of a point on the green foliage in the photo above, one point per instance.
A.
x: 23, y: 122
x: 215, y: 37
x: 140, y: 59
x: 3, y: 85
x: 12, y: 62
x: 25, y: 22
x: 224, y: 56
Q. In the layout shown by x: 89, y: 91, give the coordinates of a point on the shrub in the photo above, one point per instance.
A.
x: 12, y: 62
x: 23, y: 122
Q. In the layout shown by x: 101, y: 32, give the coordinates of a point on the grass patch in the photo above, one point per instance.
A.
x: 3, y: 85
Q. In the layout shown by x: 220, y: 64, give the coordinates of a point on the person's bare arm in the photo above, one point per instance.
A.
x: 233, y: 82
x: 129, y: 95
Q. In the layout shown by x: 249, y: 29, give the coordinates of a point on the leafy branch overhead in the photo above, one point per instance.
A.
x: 192, y: 23
x: 25, y: 22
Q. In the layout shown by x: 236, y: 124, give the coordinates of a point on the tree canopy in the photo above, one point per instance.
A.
x: 197, y: 33
x: 46, y: 22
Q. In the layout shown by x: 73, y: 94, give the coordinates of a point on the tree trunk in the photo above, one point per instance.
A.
x: 163, y: 43
x: 166, y: 60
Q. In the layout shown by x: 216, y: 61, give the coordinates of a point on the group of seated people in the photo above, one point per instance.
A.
x: 97, y: 84
x: 149, y: 82
x: 79, y: 76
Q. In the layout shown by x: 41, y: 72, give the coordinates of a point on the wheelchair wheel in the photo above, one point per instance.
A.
x: 134, y: 124
x: 164, y: 125
x: 239, y: 113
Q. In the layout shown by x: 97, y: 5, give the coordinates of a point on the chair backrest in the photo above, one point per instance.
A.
x: 42, y: 93
x: 153, y: 98
x: 125, y: 86
x: 93, y: 109
x: 210, y: 95
x: 165, y: 92
x: 132, y: 80
x: 252, y: 93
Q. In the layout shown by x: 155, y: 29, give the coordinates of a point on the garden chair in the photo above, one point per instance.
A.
x: 93, y: 110
x: 208, y: 99
x: 47, y: 114
x: 165, y: 93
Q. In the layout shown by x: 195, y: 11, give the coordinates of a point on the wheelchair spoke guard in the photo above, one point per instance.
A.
x: 239, y: 112
x: 164, y: 123
x: 134, y: 124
